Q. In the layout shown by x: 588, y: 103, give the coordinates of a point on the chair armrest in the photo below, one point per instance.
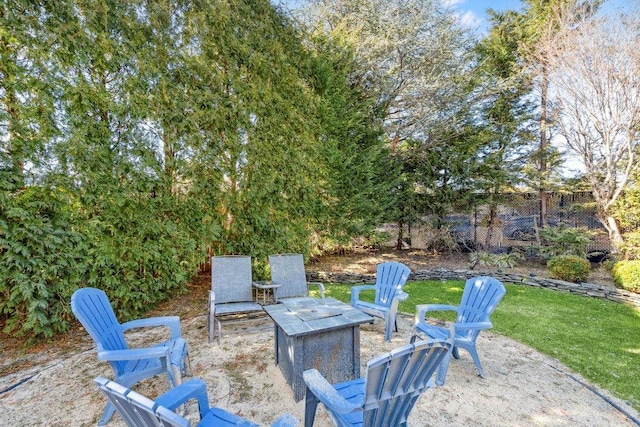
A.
x: 401, y: 296
x: 212, y: 301
x: 320, y: 287
x: 355, y: 291
x: 172, y: 322
x: 193, y: 389
x: 135, y: 354
x: 473, y: 325
x: 326, y: 393
x: 422, y: 309
x: 286, y: 420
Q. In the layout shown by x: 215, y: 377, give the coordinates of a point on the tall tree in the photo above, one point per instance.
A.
x: 411, y: 58
x: 406, y: 54
x: 352, y: 145
x: 28, y: 85
x: 537, y: 26
x: 596, y: 74
x: 506, y: 114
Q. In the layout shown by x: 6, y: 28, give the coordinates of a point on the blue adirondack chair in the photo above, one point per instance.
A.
x: 93, y: 309
x: 479, y: 298
x: 287, y: 270
x: 139, y: 411
x: 231, y: 290
x: 390, y: 280
x: 388, y: 392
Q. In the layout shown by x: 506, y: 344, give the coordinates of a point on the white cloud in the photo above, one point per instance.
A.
x: 449, y: 3
x: 470, y: 19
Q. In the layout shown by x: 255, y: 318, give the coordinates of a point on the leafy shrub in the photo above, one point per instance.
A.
x: 481, y: 258
x: 140, y: 250
x: 626, y: 275
x: 570, y: 268
x: 509, y: 260
x: 630, y: 248
x: 562, y: 240
x: 140, y: 253
x: 41, y: 263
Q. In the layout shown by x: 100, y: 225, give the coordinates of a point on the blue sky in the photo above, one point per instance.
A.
x: 473, y: 12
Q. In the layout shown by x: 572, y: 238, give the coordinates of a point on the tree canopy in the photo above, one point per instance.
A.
x: 139, y: 138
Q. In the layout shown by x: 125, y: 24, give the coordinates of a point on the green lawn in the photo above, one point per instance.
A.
x: 597, y: 338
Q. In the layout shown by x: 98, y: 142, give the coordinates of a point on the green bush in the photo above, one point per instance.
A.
x: 41, y: 263
x: 509, y: 260
x: 563, y: 240
x: 570, y: 268
x: 630, y: 248
x: 626, y: 275
x: 139, y: 253
x: 140, y: 250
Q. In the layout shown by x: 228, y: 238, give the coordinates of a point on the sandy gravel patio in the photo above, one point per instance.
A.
x: 52, y: 384
x: 522, y: 388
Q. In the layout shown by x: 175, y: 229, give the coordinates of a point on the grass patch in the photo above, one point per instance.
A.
x: 596, y: 338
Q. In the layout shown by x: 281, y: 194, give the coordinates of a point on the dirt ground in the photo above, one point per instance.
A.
x: 51, y: 384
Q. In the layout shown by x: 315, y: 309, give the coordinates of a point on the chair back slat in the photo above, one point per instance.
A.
x: 92, y: 308
x: 288, y: 271
x: 136, y: 409
x: 395, y: 380
x: 231, y: 278
x: 390, y: 279
x: 480, y: 297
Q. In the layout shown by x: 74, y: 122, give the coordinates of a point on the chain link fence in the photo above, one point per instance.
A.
x: 516, y: 225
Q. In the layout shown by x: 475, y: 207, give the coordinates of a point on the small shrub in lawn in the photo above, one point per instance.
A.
x: 626, y: 275
x: 570, y: 268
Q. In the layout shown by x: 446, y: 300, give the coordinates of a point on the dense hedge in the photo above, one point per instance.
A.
x: 137, y: 251
x: 626, y: 274
x: 139, y: 137
x: 41, y: 263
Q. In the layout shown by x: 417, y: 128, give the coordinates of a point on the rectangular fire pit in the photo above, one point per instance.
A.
x: 316, y: 333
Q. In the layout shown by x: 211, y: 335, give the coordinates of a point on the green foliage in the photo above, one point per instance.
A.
x: 509, y: 260
x: 359, y: 167
x: 174, y: 130
x: 41, y: 263
x: 562, y: 240
x: 630, y: 248
x: 626, y: 275
x: 140, y: 252
x: 626, y: 210
x: 570, y: 268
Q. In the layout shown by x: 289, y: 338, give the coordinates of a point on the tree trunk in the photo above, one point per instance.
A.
x: 614, y: 232
x: 400, y: 241
x: 544, y: 86
x: 490, y: 222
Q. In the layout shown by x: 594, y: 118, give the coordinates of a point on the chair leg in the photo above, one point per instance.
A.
x: 441, y: 374
x: 187, y: 366
x: 455, y: 353
x: 177, y: 375
x: 310, y: 406
x: 476, y: 359
x: 210, y: 327
x: 107, y: 414
x: 177, y: 380
x: 388, y: 327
